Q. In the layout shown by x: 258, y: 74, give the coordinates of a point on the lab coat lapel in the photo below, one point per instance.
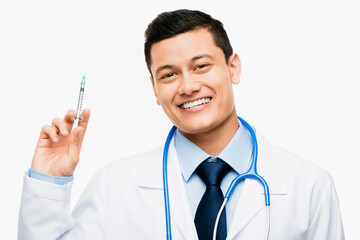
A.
x: 150, y: 168
x: 251, y: 200
x: 180, y: 210
x: 182, y: 222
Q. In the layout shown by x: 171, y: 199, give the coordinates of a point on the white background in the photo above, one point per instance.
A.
x: 299, y: 86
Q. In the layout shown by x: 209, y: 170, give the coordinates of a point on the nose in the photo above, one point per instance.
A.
x: 188, y: 85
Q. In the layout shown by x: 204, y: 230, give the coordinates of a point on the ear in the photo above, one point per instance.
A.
x: 154, y: 89
x: 234, y: 65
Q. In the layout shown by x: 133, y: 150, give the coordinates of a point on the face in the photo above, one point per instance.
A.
x: 192, y: 81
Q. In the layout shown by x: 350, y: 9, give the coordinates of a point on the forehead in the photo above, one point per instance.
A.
x: 183, y: 47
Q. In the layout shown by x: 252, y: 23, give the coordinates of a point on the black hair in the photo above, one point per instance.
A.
x: 170, y: 24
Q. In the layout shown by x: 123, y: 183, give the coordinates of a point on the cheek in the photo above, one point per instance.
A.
x: 165, y: 93
x: 218, y: 77
x: 224, y: 93
x: 221, y: 86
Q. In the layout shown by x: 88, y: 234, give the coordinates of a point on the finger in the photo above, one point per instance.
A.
x: 49, y: 132
x: 85, y: 119
x: 60, y: 126
x: 68, y: 119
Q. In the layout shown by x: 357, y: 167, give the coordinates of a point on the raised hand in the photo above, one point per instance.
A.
x: 58, y: 148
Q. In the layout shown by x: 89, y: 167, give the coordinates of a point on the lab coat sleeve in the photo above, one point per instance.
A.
x: 45, y: 211
x: 326, y: 223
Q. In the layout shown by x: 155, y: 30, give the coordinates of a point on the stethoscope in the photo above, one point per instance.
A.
x: 251, y: 173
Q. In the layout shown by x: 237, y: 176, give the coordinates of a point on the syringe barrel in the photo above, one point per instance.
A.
x: 80, y: 100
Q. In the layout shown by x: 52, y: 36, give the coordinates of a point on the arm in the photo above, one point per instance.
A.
x: 45, y: 209
x: 327, y: 223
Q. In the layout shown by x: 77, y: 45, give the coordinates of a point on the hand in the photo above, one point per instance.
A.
x: 58, y: 148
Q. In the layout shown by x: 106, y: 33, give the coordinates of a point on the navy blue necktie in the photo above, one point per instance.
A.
x: 211, y: 173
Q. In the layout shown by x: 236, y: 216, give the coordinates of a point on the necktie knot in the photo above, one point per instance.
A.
x: 212, y: 173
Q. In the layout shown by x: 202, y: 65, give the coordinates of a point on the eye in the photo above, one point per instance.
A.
x: 201, y: 66
x: 168, y: 75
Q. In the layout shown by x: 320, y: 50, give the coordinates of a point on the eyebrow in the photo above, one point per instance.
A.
x: 159, y: 69
x: 168, y: 66
x: 201, y: 56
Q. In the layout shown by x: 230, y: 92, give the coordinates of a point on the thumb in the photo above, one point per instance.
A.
x: 75, y: 142
x: 75, y: 137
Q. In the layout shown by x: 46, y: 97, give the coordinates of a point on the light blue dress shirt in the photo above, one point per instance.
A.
x: 48, y: 178
x: 237, y: 154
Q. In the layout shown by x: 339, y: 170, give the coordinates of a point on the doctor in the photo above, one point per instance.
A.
x: 193, y: 70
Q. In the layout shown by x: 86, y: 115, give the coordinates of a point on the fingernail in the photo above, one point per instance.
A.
x: 66, y: 131
x: 55, y: 139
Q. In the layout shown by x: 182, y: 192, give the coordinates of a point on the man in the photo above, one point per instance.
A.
x: 192, y: 68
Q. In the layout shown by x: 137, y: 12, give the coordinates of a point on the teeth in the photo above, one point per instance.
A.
x: 195, y: 103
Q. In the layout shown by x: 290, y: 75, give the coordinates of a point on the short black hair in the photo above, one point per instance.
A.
x: 170, y: 24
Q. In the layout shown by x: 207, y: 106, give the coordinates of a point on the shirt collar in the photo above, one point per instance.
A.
x: 237, y: 153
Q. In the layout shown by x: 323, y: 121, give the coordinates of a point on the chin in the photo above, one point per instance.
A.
x: 197, y: 128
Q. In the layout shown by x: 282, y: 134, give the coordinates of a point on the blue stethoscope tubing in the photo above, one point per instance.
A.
x: 251, y: 173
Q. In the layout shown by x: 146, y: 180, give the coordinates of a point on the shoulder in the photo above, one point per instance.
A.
x: 138, y: 159
x: 304, y: 178
x: 300, y: 168
x: 295, y: 173
x: 311, y: 183
x: 132, y: 167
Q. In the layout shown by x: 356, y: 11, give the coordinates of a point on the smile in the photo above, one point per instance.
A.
x: 195, y: 103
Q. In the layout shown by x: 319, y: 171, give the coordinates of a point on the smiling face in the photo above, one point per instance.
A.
x: 193, y: 83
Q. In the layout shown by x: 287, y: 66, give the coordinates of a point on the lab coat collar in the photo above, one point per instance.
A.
x: 251, y: 200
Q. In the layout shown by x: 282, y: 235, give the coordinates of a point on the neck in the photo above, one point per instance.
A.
x: 214, y: 141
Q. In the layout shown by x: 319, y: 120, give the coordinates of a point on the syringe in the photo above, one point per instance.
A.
x: 79, y: 106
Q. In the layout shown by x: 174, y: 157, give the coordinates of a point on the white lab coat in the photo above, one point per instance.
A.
x: 125, y: 201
